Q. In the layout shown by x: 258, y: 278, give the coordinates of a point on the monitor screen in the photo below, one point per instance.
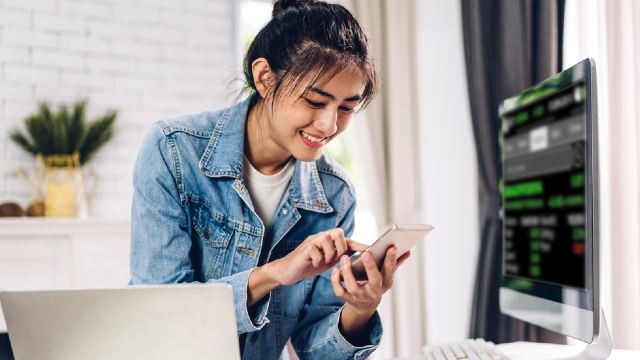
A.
x: 549, y: 204
x: 544, y: 189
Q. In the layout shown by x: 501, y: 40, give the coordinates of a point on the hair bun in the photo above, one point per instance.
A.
x: 281, y: 5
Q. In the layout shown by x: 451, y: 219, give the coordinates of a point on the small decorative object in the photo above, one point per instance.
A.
x: 35, y: 209
x: 63, y: 142
x: 11, y: 209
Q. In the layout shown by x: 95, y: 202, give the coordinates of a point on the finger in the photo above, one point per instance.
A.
x: 315, y: 255
x: 356, y: 246
x: 389, y: 267
x: 373, y: 274
x: 341, y: 247
x: 337, y: 286
x: 339, y: 242
x: 403, y: 258
x: 347, y: 275
x: 336, y: 233
x: 327, y: 248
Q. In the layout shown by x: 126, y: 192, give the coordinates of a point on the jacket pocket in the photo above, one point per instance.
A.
x: 213, y: 233
x: 213, y: 238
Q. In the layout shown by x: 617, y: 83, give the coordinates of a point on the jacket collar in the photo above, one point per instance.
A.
x: 223, y: 158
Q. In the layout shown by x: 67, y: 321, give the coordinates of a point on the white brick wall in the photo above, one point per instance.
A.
x: 150, y: 59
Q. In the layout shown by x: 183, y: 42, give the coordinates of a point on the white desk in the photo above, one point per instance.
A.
x: 536, y: 351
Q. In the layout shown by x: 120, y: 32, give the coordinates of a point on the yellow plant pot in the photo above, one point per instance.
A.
x: 64, y: 186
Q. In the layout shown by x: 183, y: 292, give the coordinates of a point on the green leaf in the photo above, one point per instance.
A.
x: 40, y: 127
x: 77, y: 125
x: 98, y: 133
x: 22, y: 141
x: 60, y: 130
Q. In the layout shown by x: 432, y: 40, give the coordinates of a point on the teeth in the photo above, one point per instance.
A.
x: 311, y: 138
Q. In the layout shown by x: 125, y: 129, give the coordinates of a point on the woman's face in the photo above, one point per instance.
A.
x: 304, y: 122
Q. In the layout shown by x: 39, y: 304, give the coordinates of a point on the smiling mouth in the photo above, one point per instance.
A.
x: 312, y: 138
x: 313, y: 141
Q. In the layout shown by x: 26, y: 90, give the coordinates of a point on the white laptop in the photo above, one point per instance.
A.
x: 185, y: 321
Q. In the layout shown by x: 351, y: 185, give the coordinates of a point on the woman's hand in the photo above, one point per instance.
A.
x: 314, y: 256
x: 363, y: 297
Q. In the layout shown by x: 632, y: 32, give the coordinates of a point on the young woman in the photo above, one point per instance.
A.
x: 245, y: 196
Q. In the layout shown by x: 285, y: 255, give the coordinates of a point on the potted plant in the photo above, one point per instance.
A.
x: 63, y: 142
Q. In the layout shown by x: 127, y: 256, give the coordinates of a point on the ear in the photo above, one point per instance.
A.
x: 262, y: 76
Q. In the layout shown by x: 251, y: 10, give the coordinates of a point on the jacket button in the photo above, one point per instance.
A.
x: 285, y: 211
x: 207, y: 233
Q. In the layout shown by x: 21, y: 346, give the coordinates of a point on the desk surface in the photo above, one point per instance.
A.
x: 537, y: 351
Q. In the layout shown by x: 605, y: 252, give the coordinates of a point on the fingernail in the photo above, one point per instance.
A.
x: 366, y: 257
x: 344, y: 260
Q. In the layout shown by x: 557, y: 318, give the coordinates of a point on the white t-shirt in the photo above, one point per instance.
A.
x: 267, y: 190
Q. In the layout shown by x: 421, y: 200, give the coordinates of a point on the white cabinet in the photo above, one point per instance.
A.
x: 63, y: 253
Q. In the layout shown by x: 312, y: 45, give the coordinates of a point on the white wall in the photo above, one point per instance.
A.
x: 451, y: 195
x: 150, y: 59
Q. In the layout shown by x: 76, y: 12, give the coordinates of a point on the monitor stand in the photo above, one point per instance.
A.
x: 599, y: 349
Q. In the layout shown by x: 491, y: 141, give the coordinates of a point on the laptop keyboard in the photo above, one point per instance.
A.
x: 471, y: 349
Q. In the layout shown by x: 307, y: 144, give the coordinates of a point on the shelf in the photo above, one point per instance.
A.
x: 61, y: 226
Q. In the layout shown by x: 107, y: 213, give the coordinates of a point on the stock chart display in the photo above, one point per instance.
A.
x: 544, y: 188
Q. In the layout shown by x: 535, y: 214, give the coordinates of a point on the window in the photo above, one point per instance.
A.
x: 251, y: 16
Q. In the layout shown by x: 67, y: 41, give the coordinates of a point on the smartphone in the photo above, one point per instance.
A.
x: 404, y: 237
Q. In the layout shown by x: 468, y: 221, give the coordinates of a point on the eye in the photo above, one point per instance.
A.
x: 346, y: 109
x: 313, y: 104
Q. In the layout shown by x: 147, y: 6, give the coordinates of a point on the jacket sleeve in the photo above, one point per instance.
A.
x: 317, y: 335
x: 160, y: 239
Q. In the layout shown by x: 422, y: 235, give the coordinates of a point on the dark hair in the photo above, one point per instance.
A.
x: 311, y: 38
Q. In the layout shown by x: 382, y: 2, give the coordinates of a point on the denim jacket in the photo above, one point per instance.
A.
x: 193, y: 221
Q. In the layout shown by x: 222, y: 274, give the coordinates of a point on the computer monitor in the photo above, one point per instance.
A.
x: 550, y: 252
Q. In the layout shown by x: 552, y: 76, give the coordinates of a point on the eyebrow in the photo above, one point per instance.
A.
x: 332, y: 97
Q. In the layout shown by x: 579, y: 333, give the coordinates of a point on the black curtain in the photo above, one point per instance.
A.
x: 509, y: 45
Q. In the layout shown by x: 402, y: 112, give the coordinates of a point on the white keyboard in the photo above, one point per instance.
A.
x: 472, y: 349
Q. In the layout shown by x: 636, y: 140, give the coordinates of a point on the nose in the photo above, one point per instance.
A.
x: 327, y: 123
